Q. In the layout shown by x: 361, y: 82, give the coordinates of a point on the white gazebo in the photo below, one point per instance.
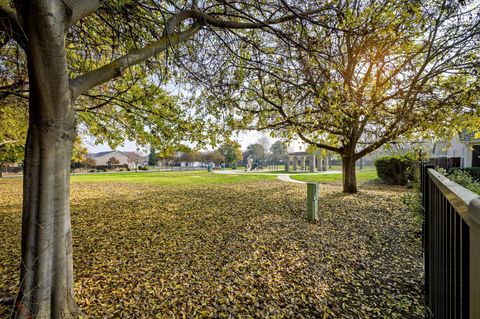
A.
x: 317, y: 162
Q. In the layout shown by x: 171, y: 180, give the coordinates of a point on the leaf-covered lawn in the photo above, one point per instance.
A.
x: 170, y: 178
x: 232, y: 251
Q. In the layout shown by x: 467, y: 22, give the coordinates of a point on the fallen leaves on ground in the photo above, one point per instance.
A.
x: 232, y: 251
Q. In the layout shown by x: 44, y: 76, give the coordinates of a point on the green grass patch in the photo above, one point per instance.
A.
x: 362, y: 177
x: 170, y: 178
x: 364, y: 168
x: 333, y: 168
x: 284, y: 172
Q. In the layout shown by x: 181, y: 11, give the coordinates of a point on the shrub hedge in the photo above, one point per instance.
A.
x: 462, y: 177
x: 472, y: 171
x: 396, y: 169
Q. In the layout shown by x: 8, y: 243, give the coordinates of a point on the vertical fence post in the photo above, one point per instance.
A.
x: 426, y: 226
x: 312, y: 201
x: 474, y: 212
x: 426, y: 186
x: 421, y: 164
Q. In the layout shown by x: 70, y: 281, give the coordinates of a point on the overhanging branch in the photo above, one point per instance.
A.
x: 81, y: 8
x: 170, y: 37
x: 225, y: 24
x: 9, y: 142
x: 319, y: 145
x: 10, y: 26
x: 115, y: 68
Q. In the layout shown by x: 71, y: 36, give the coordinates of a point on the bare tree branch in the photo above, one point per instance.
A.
x: 212, y: 21
x: 9, y: 142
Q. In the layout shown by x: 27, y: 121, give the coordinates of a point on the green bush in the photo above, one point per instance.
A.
x: 234, y: 165
x: 397, y: 169
x: 143, y: 168
x: 463, y: 178
x: 472, y: 171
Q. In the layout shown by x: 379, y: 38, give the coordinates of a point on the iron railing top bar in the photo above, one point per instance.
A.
x: 465, y: 202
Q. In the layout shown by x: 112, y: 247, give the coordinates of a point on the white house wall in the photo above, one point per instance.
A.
x: 468, y: 156
x: 457, y: 149
x: 121, y: 157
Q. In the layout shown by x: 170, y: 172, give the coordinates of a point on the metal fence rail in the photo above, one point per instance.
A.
x: 451, y: 247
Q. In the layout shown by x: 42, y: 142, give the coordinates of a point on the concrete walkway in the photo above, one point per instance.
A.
x: 287, y: 178
x: 282, y: 177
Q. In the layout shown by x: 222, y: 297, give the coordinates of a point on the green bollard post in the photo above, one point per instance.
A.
x: 312, y: 201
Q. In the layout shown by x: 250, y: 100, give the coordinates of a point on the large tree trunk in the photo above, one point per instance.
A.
x: 349, y: 177
x: 46, y: 280
x: 46, y: 286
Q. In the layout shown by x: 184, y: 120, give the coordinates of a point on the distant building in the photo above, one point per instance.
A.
x: 129, y: 160
x: 465, y: 147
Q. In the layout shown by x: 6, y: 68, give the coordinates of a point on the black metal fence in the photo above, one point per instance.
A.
x: 12, y: 169
x: 446, y: 162
x: 451, y: 247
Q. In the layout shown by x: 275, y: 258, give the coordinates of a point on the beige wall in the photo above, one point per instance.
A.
x: 121, y: 157
x: 457, y: 148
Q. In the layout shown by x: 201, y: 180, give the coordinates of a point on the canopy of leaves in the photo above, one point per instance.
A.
x: 79, y: 151
x: 279, y: 151
x: 113, y: 161
x: 133, y: 106
x: 215, y: 156
x: 13, y: 73
x: 192, y: 156
x: 153, y: 157
x: 13, y: 130
x: 256, y: 151
x: 136, y: 108
x: 364, y: 75
x: 232, y: 151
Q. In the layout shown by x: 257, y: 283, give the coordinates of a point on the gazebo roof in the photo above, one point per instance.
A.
x: 298, y: 154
